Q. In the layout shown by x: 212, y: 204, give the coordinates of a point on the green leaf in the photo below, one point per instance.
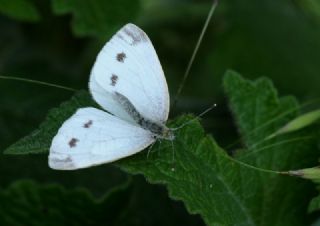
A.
x: 23, y: 10
x: 39, y: 140
x: 97, y: 18
x: 202, y: 176
x: 256, y: 107
x: 28, y: 203
x: 258, y: 113
x: 308, y: 173
x: 204, y: 146
x: 209, y: 182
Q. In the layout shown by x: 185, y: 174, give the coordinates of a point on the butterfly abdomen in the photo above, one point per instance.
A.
x: 151, y: 126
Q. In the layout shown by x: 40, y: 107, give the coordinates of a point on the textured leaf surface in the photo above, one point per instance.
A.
x: 258, y: 113
x: 39, y: 141
x: 203, y: 176
x: 97, y: 18
x: 213, y: 160
x: 23, y: 10
x: 28, y: 203
x: 223, y: 192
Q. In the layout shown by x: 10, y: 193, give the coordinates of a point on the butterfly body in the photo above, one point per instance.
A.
x: 128, y: 82
x: 158, y: 129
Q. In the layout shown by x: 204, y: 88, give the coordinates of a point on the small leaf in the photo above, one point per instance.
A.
x: 300, y: 122
x: 308, y: 173
x: 23, y: 10
x: 97, y: 18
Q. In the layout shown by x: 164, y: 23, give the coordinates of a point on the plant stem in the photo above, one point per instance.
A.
x: 186, y: 74
x: 254, y: 167
x: 37, y: 82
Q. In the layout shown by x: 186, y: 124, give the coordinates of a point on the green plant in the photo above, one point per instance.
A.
x: 250, y: 182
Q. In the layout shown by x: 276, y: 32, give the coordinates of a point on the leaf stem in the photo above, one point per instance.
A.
x: 254, y: 167
x: 37, y: 82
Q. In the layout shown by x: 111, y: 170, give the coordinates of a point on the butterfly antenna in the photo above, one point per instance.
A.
x: 36, y: 82
x: 196, y: 118
x: 186, y: 74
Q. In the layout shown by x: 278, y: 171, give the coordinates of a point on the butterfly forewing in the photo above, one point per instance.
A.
x: 128, y: 64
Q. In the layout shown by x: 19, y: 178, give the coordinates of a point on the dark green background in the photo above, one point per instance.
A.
x: 278, y: 39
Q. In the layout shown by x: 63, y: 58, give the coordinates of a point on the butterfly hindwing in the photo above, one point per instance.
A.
x: 129, y: 65
x: 92, y: 137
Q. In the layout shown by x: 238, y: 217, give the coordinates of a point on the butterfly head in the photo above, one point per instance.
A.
x: 168, y: 134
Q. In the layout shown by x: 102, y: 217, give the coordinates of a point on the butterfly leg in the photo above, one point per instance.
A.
x: 149, y: 149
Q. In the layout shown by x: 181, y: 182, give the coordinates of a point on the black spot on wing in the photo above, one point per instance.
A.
x: 73, y: 142
x: 65, y: 163
x: 121, y: 57
x: 87, y: 124
x: 114, y: 79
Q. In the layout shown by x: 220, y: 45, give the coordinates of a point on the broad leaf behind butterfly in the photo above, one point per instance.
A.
x: 195, y: 155
x: 202, y: 175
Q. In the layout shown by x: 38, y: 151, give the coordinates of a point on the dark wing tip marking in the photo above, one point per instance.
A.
x: 87, y: 124
x: 73, y: 142
x: 114, y: 79
x: 66, y: 163
x: 136, y: 34
x: 121, y: 57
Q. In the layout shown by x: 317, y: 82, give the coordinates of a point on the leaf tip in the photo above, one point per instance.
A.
x: 308, y: 173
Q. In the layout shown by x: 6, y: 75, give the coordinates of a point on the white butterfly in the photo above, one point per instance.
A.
x: 126, y: 80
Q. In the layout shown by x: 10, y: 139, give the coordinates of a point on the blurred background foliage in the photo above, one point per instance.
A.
x: 57, y: 41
